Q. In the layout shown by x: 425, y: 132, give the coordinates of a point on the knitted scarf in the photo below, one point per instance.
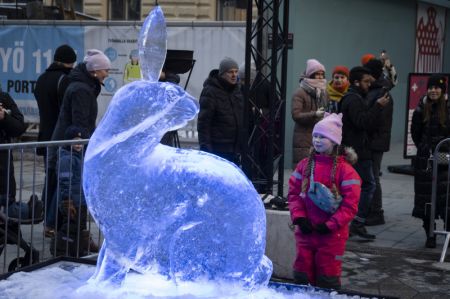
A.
x: 335, y: 94
x: 315, y: 88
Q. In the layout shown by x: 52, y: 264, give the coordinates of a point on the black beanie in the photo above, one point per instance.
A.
x: 73, y: 132
x: 376, y: 67
x: 437, y: 81
x: 65, y: 54
x: 357, y: 72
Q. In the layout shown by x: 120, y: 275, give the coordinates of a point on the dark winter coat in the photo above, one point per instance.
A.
x: 220, y: 118
x: 79, y: 107
x: 426, y: 136
x: 359, y: 120
x: 11, y: 126
x: 49, y: 93
x: 380, y: 138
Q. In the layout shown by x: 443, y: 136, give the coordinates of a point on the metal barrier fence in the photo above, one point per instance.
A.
x: 25, y: 210
x: 439, y: 203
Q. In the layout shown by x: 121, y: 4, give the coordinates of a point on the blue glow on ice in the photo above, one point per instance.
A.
x: 186, y: 214
x: 152, y: 45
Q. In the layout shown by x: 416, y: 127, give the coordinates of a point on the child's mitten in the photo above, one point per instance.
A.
x: 322, y: 229
x: 304, y: 224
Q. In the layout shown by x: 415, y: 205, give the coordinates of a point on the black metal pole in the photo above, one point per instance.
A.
x: 273, y: 84
x: 246, y: 163
x: 284, y: 60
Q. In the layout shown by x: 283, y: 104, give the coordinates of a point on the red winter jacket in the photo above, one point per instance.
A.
x: 348, y: 183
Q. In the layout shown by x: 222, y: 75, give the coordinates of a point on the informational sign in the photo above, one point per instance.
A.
x: 27, y: 50
x: 417, y: 89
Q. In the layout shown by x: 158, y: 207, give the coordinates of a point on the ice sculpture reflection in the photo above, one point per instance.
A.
x: 183, y: 213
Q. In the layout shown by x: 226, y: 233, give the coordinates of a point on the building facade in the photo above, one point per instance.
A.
x: 206, y: 10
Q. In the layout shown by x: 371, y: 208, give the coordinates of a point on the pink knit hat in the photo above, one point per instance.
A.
x: 330, y: 127
x: 95, y: 60
x: 313, y: 66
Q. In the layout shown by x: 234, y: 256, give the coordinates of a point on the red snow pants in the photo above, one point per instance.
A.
x: 319, y: 258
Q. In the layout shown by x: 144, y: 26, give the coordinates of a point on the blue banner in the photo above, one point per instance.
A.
x: 25, y: 53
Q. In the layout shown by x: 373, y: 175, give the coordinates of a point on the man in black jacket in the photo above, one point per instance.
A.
x: 358, y: 121
x: 221, y: 112
x: 49, y: 91
x: 380, y: 138
x: 49, y: 94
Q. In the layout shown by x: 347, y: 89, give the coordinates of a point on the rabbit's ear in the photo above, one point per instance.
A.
x: 152, y: 45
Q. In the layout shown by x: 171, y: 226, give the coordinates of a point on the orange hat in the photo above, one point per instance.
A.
x: 340, y: 69
x: 366, y: 58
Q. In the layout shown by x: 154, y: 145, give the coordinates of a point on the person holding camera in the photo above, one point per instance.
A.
x: 380, y: 137
x: 389, y: 73
x: 359, y: 121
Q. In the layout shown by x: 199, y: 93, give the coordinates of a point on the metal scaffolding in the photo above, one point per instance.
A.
x: 266, y: 47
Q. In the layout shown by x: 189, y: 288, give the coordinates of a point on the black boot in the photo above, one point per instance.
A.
x: 431, y: 239
x: 431, y: 242
x: 375, y: 218
x: 300, y: 278
x: 329, y: 282
x: 358, y: 229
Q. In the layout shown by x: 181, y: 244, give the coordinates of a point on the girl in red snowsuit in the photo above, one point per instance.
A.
x: 322, y: 222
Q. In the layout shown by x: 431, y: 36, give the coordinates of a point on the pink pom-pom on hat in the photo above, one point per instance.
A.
x: 330, y: 127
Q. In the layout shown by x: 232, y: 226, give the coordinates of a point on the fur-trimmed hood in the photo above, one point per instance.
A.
x: 350, y: 155
x: 347, y: 152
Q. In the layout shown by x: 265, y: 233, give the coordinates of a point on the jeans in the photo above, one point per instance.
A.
x: 365, y: 170
x: 377, y: 205
x: 16, y: 209
x: 49, y: 198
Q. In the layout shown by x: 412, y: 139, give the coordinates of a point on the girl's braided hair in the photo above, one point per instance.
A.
x: 338, y: 150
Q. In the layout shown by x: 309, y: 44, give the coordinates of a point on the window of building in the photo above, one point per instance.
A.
x: 77, y: 4
x: 124, y: 9
x: 232, y: 10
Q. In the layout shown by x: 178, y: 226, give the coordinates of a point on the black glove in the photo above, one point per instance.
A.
x: 304, y: 224
x: 322, y: 229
